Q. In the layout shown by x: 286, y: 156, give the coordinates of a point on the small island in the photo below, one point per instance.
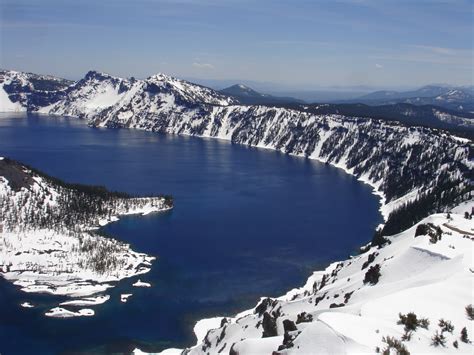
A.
x: 49, y: 241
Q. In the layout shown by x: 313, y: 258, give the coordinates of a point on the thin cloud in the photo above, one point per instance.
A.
x: 203, y: 65
x: 437, y: 50
x: 378, y: 66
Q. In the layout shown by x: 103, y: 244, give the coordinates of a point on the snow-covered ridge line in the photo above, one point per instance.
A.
x: 47, y: 238
x: 95, y: 92
x: 402, y: 164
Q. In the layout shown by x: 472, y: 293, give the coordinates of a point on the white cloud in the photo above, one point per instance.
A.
x: 203, y: 65
x: 378, y: 66
x: 437, y: 50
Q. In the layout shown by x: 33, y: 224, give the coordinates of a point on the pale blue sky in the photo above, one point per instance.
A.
x: 299, y: 43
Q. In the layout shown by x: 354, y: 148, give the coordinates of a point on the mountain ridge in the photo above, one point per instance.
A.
x: 366, y: 147
x: 459, y: 98
x: 248, y: 96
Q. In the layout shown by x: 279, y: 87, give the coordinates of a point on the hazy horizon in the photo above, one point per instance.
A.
x: 298, y: 45
x: 219, y: 84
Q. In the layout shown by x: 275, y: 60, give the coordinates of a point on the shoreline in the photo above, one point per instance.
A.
x: 58, y: 256
x: 81, y: 288
x: 384, y: 211
x: 383, y: 206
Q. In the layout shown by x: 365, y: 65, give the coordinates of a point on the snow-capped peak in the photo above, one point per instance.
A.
x: 94, y: 76
x: 161, y: 77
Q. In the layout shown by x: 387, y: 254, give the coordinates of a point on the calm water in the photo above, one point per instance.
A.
x: 246, y: 223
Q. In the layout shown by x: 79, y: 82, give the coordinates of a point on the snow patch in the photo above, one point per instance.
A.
x: 140, y: 283
x: 125, y: 296
x: 59, y: 312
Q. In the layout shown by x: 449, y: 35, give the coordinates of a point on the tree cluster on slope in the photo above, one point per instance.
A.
x: 446, y: 192
x: 42, y: 202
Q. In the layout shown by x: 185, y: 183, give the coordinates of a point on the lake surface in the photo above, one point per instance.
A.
x: 247, y: 223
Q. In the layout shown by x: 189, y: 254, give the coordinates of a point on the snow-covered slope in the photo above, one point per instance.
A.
x: 453, y: 119
x: 403, y: 164
x: 95, y: 92
x: 28, y: 92
x: 99, y: 92
x: 354, y: 306
x: 47, y: 243
x: 456, y: 95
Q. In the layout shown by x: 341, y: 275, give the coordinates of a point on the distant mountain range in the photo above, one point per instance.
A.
x: 249, y: 96
x: 441, y: 111
x: 450, y: 97
x: 459, y: 99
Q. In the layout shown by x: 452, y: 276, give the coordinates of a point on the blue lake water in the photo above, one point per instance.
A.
x: 247, y: 223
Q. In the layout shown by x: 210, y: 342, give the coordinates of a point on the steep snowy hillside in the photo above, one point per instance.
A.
x: 403, y: 164
x: 99, y: 92
x: 411, y: 296
x: 28, y: 92
x: 95, y: 92
x: 47, y: 243
x: 405, y: 113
